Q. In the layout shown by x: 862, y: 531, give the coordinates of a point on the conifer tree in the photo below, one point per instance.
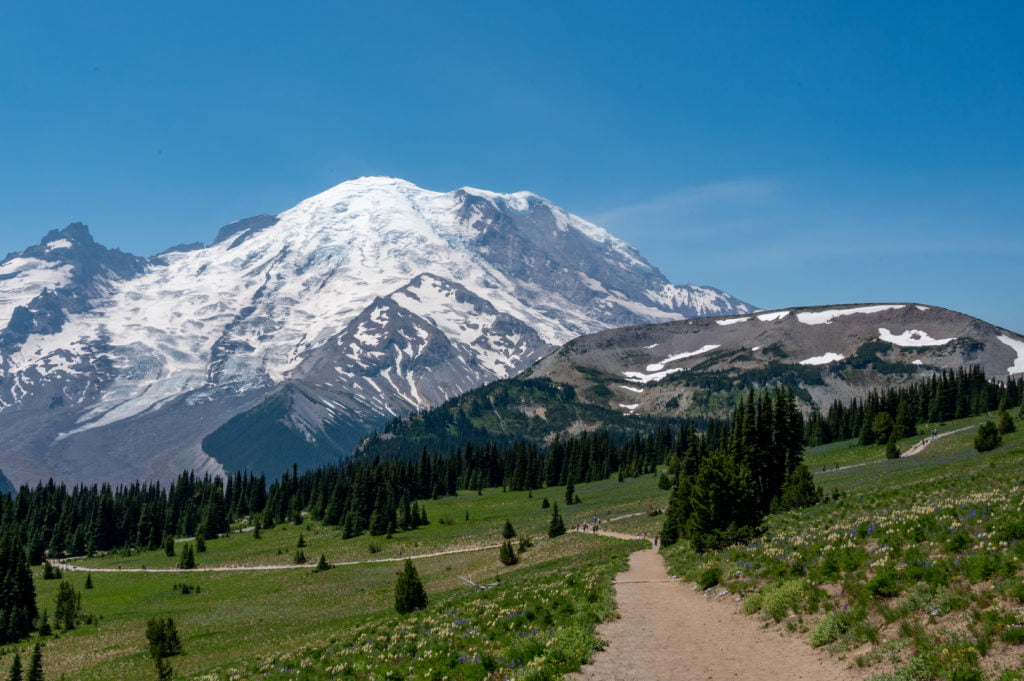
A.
x: 891, y: 450
x: 409, y: 592
x: 545, y: 503
x: 1004, y: 424
x: 68, y: 607
x: 987, y: 438
x: 508, y: 531
x: 169, y: 545
x: 88, y: 580
x: 188, y: 558
x: 322, y: 564
x: 35, y: 665
x: 17, y: 593
x: 162, y: 636
x: 507, y: 553
x: 570, y: 492
x: 556, y: 528
x: 15, y: 673
x: 164, y: 642
x: 200, y: 543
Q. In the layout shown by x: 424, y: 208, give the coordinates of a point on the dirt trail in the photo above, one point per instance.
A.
x: 915, y: 449
x: 63, y: 564
x: 668, y: 632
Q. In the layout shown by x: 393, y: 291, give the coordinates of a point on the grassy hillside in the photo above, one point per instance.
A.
x: 914, y: 573
x: 270, y: 623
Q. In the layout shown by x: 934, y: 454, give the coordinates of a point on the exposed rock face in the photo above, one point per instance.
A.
x: 828, y: 353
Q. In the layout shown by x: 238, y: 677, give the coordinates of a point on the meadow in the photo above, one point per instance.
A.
x: 912, y: 570
x: 296, y: 623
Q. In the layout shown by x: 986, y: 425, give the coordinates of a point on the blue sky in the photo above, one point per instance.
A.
x: 790, y: 153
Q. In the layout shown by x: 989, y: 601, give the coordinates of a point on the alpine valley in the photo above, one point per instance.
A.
x: 291, y: 337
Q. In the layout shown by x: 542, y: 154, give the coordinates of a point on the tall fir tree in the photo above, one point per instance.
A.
x: 409, y: 592
x: 15, y: 673
x: 17, y: 592
x: 35, y: 665
x: 556, y: 528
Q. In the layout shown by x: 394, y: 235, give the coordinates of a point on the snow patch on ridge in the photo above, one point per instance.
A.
x: 1018, y: 366
x: 827, y: 358
x: 656, y: 372
x: 729, y: 322
x: 826, y: 316
x: 683, y: 355
x: 912, y: 338
x: 773, y: 316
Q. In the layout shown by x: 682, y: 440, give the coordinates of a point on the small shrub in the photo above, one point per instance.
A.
x: 830, y: 628
x: 374, y: 547
x: 709, y: 577
x: 778, y: 600
x: 886, y: 584
x: 1012, y: 634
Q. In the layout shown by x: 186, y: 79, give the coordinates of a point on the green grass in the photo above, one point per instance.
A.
x: 917, y: 568
x: 240, y: 616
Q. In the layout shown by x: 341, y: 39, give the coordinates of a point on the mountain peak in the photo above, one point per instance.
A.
x: 135, y: 355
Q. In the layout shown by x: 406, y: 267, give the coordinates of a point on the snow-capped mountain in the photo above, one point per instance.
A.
x: 362, y: 303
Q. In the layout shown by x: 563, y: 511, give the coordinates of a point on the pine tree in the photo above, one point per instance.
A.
x: 570, y: 492
x: 799, y: 490
x: 164, y: 642
x: 987, y: 438
x: 162, y: 635
x: 409, y: 592
x: 1004, y: 423
x: 545, y: 503
x: 49, y: 571
x: 88, y: 580
x: 507, y: 553
x: 891, y: 450
x: 17, y: 593
x: 15, y: 673
x: 35, y: 665
x: 164, y: 672
x: 200, y: 543
x: 322, y: 564
x: 556, y: 528
x: 69, y: 606
x: 300, y: 557
x: 508, y: 531
x: 188, y: 558
x: 169, y: 545
x: 301, y: 544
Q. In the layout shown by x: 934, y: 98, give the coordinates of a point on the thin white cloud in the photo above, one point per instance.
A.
x: 686, y: 201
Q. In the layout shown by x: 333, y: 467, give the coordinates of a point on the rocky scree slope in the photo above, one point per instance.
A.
x: 826, y: 353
